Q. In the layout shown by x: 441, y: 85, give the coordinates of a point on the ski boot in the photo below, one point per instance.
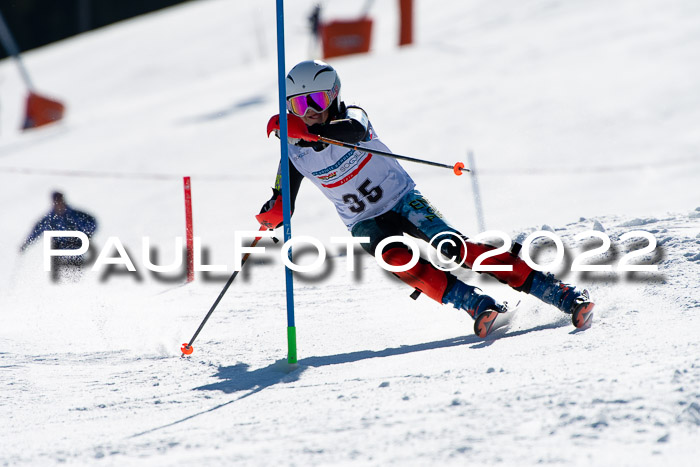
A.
x: 573, y: 302
x: 481, y: 307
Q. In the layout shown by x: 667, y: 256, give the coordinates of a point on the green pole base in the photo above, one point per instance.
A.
x: 292, y: 344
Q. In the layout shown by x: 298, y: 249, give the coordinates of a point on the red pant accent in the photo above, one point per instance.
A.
x: 423, y: 276
x: 514, y: 278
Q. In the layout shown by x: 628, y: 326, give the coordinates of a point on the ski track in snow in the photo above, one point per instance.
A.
x: 543, y: 91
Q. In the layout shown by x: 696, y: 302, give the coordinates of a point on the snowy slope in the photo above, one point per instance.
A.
x: 582, y: 115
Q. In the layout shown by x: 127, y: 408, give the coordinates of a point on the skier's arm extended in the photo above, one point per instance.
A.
x: 352, y: 128
x: 40, y: 227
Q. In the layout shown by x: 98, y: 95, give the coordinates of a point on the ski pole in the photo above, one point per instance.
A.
x: 187, y: 348
x: 298, y: 129
x: 458, y: 168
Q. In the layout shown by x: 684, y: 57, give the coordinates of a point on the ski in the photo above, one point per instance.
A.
x: 491, y: 320
x: 582, y: 317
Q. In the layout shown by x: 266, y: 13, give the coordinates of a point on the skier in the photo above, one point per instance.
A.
x: 376, y: 198
x: 63, y: 217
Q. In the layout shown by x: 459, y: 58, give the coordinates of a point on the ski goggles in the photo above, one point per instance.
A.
x: 319, y: 101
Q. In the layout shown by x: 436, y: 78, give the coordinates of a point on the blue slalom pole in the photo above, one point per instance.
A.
x: 286, y: 201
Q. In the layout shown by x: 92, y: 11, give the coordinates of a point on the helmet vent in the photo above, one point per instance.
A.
x: 322, y: 71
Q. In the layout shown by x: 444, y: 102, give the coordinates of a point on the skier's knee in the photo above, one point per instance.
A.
x: 515, y: 278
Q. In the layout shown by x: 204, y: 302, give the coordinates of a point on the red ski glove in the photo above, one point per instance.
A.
x: 271, y: 215
x: 296, y: 128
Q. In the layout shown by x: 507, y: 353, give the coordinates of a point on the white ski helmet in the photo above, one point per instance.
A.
x: 307, y: 78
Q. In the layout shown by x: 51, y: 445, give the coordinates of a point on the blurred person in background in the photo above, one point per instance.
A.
x: 62, y: 217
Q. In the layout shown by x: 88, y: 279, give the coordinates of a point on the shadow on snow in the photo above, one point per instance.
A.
x: 238, y: 378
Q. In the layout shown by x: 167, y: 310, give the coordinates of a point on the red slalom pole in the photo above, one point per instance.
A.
x: 188, y: 229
